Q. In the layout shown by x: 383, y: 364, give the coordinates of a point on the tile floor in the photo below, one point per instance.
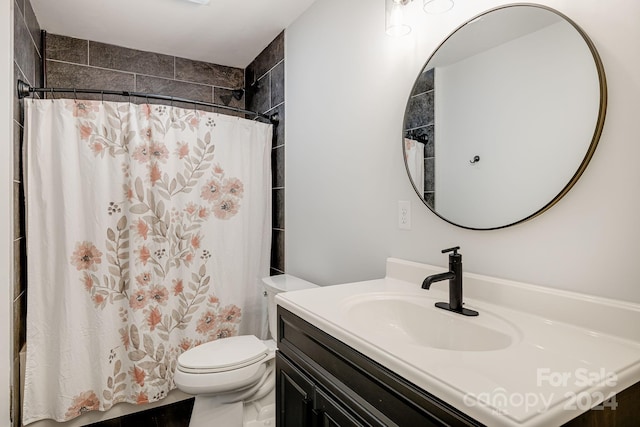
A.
x: 175, y: 415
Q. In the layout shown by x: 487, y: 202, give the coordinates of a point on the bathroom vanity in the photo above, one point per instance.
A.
x: 322, y: 381
x: 379, y: 353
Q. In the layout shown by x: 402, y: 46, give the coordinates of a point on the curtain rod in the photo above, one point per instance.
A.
x: 25, y: 90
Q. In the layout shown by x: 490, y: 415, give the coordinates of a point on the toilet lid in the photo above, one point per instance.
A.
x: 223, y: 354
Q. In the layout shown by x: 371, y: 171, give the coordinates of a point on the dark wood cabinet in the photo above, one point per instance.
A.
x: 322, y: 382
x: 295, y: 393
x: 330, y: 413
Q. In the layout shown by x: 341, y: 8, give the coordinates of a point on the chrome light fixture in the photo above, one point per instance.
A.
x: 397, y: 24
x: 437, y: 6
x: 397, y: 14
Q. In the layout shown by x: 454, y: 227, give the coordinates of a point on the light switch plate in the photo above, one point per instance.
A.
x: 404, y: 215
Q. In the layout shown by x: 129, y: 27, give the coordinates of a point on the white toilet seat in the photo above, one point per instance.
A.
x: 223, y: 366
x: 223, y: 355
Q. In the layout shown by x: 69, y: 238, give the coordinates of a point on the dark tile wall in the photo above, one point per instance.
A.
x: 419, y: 126
x: 264, y: 85
x: 76, y: 63
x: 27, y: 67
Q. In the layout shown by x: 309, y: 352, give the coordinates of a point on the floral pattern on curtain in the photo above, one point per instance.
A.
x: 149, y: 231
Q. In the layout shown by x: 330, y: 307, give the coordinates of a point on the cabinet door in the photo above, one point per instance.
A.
x: 294, y: 395
x: 329, y: 413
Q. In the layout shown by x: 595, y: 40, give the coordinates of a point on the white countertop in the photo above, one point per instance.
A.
x: 569, y: 352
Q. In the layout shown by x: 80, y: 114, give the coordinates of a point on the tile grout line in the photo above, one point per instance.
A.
x: 273, y: 108
x: 24, y: 18
x: 24, y: 76
x: 270, y: 69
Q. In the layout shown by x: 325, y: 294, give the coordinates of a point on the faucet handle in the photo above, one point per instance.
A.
x: 454, y: 250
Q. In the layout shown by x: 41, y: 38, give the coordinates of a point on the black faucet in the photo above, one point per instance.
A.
x: 454, y: 275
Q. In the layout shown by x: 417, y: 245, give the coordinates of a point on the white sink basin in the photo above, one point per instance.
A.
x: 417, y: 321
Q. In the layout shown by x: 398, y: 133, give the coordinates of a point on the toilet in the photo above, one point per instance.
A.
x: 238, y: 369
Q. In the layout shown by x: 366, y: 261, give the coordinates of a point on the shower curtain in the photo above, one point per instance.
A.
x: 148, y: 232
x: 414, y: 156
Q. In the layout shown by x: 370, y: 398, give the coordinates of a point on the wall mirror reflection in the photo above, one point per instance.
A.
x: 504, y: 117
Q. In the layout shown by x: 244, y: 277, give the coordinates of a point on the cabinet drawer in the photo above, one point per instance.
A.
x: 368, y: 389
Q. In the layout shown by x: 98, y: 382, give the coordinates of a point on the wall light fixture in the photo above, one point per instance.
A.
x: 397, y: 24
x: 397, y: 14
x: 437, y: 6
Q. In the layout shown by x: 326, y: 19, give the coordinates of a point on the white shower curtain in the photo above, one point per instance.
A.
x: 148, y: 230
x: 414, y: 156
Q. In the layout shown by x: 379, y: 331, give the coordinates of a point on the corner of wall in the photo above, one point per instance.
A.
x: 264, y: 86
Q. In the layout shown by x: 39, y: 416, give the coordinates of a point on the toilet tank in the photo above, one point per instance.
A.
x: 281, y: 283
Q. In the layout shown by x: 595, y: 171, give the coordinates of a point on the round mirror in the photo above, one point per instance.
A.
x: 504, y: 117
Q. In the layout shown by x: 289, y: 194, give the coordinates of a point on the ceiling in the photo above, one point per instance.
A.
x: 491, y: 30
x: 225, y: 32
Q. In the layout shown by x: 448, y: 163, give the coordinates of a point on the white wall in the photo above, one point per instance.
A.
x: 6, y: 205
x: 346, y: 90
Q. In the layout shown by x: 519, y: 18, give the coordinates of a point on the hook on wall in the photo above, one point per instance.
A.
x: 237, y: 94
x: 475, y: 159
